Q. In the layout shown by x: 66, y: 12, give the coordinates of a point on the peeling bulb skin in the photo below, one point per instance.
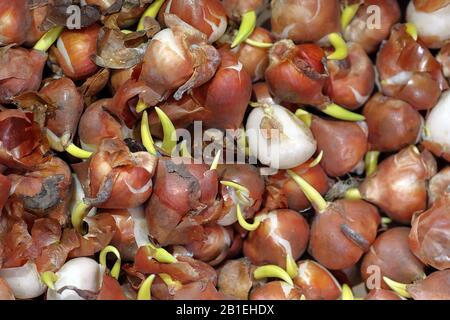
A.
x: 436, y: 286
x: 236, y: 8
x: 382, y: 294
x: 316, y: 282
x: 38, y: 16
x: 343, y: 233
x: 352, y: 80
x: 437, y: 137
x: 393, y: 124
x: 117, y: 178
x: 305, y: 20
x: 279, y: 139
x: 281, y: 233
x: 15, y: 22
x: 399, y: 186
x: 343, y: 143
x: 110, y: 290
x: 391, y: 254
x: 275, y: 290
x: 408, y: 71
x: 255, y: 60
x: 431, y: 20
x: 84, y: 274
x: 428, y: 238
x: 182, y: 48
x: 361, y: 29
x: 283, y: 192
x: 21, y: 71
x: 207, y: 16
x: 5, y: 186
x: 5, y: 291
x: 73, y: 52
x: 235, y: 278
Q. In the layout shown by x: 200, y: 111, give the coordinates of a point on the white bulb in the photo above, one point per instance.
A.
x: 438, y: 123
x: 24, y: 281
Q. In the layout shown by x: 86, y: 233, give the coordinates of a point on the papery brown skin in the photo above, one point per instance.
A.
x: 408, y: 71
x: 15, y: 21
x: 20, y: 71
x: 436, y: 286
x: 69, y: 107
x: 235, y: 278
x: 297, y: 74
x: 111, y: 289
x: 429, y: 238
x: 382, y: 294
x: 100, y: 230
x: 370, y: 37
x: 281, y: 233
x: 255, y: 60
x: 20, y: 139
x: 97, y: 124
x: 236, y: 8
x: 226, y: 96
x: 343, y: 143
x: 185, y: 270
x: 342, y: 233
x: 399, y: 186
x: 275, y: 290
x: 5, y: 291
x: 207, y: 16
x: 38, y: 16
x: 439, y: 186
x: 124, y: 238
x: 181, y: 48
x: 393, y: 124
x: 283, y: 192
x: 214, y: 248
x: 305, y: 20
x: 247, y: 176
x: 200, y: 290
x: 103, y: 4
x: 120, y: 76
x: 390, y: 253
x: 94, y: 85
x: 182, y: 201
x: 444, y: 59
x: 46, y: 189
x: 5, y: 186
x: 117, y: 178
x: 316, y: 282
x: 80, y: 46
x: 351, y: 80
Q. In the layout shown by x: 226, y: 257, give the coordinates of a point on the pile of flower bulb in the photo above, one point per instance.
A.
x: 119, y: 178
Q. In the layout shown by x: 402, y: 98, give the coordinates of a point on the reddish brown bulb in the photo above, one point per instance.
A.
x: 207, y: 16
x: 20, y: 71
x: 111, y: 289
x: 297, y: 74
x: 382, y: 294
x: 283, y: 192
x: 236, y: 8
x: 247, y: 176
x: 235, y: 278
x: 282, y: 233
x: 408, y: 71
x: 115, y: 178
x: 214, y: 248
x: 393, y: 124
x: 371, y: 25
x: 181, y: 189
x: 429, y: 236
x: 343, y: 232
x: 5, y: 187
x: 275, y: 290
x: 391, y: 257
x: 38, y: 16
x: 436, y: 286
x: 399, y: 186
x: 351, y: 80
x: 5, y: 291
x: 15, y: 21
x: 439, y: 185
x: 343, y: 143
x: 305, y: 20
x: 254, y: 59
x: 444, y: 59
x: 74, y: 49
x: 316, y: 282
x: 69, y: 105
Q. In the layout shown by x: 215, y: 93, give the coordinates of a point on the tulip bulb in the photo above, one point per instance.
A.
x: 15, y: 22
x: 432, y: 21
x: 275, y: 290
x: 25, y: 281
x: 277, y: 138
x: 83, y: 274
